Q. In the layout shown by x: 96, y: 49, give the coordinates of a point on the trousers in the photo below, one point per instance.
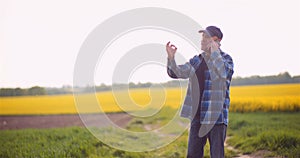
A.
x: 216, y: 137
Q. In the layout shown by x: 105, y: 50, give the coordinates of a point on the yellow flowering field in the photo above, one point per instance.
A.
x: 283, y: 97
x: 65, y: 104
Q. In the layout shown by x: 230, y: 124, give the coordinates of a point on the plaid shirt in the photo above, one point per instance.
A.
x: 214, y: 106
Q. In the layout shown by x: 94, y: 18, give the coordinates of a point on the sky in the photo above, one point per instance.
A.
x: 40, y: 40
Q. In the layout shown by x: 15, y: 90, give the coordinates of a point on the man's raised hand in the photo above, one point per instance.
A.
x: 171, y: 50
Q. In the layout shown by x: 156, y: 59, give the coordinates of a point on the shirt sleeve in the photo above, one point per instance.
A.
x: 179, y: 71
x: 221, y: 67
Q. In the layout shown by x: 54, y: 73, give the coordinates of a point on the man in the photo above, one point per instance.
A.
x: 207, y: 99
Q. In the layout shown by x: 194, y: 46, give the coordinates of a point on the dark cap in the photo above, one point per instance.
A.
x: 213, y: 31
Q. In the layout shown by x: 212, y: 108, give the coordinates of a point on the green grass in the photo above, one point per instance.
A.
x: 75, y: 142
x: 71, y: 142
x: 249, y: 132
x: 277, y: 132
x: 68, y: 142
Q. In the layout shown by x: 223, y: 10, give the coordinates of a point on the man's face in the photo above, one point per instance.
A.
x: 206, y: 41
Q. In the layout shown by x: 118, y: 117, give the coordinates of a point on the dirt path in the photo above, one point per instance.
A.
x: 59, y: 121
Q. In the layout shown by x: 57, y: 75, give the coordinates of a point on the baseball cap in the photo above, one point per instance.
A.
x: 213, y: 31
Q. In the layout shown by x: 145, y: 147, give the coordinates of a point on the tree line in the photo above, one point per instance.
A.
x: 258, y: 80
x: 36, y: 90
x: 237, y: 81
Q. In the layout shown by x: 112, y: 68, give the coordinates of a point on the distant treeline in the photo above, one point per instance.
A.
x: 238, y: 81
x: 36, y: 90
x: 274, y: 79
x: 120, y: 86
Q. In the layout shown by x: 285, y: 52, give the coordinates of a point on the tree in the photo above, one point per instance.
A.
x: 36, y: 90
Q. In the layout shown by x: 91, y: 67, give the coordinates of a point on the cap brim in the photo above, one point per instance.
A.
x: 202, y: 31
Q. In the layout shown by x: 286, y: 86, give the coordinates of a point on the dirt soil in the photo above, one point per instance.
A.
x: 60, y: 121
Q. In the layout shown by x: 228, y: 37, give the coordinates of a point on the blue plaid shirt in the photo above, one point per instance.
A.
x: 214, y: 106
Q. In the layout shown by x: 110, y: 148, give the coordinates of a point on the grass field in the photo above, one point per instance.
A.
x: 284, y: 97
x: 277, y: 132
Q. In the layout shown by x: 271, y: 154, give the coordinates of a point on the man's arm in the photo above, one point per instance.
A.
x: 174, y: 70
x: 221, y: 67
x: 179, y: 71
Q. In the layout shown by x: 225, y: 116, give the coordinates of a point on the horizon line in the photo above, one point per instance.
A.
x: 140, y: 82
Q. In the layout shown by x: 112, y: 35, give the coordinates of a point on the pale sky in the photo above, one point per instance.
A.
x: 40, y: 40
